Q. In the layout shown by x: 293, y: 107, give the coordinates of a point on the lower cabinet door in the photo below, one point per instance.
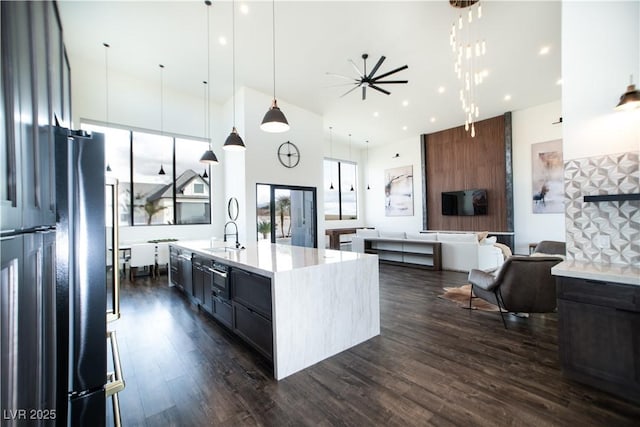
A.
x: 254, y: 329
x: 222, y: 311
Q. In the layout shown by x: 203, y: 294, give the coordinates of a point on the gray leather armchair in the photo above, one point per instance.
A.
x: 523, y: 284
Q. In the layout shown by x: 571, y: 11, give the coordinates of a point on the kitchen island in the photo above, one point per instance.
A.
x: 296, y: 306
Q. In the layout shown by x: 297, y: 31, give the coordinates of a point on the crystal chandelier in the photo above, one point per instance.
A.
x: 468, y: 49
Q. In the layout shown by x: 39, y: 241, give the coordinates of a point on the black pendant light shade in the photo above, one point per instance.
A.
x: 108, y: 168
x: 629, y: 100
x: 161, y: 172
x: 205, y: 174
x: 234, y: 142
x: 351, y: 188
x: 274, y: 120
x: 331, y: 186
x: 209, y: 157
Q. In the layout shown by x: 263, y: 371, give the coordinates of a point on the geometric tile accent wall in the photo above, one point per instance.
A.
x: 620, y: 221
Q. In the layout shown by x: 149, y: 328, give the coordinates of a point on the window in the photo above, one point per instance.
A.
x: 340, y: 202
x: 179, y: 196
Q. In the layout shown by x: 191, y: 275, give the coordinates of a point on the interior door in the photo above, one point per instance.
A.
x: 292, y: 214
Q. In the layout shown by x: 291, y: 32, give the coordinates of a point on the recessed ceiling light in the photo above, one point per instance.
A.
x: 376, y: 114
x: 507, y: 97
x: 432, y: 119
x: 222, y: 40
x: 405, y: 103
x: 244, y: 9
x: 404, y: 128
x: 559, y: 82
x: 544, y: 50
x: 441, y: 89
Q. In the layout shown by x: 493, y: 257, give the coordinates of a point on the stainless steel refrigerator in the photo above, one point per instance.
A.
x: 81, y: 296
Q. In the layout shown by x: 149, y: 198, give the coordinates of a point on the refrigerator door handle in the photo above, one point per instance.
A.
x: 114, y: 313
x: 116, y: 381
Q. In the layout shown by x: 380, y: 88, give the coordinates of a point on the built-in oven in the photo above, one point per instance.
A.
x: 221, y: 293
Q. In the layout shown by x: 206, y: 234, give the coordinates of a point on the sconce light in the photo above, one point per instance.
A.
x: 629, y: 100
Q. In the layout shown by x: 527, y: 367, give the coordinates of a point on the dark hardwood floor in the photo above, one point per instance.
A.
x: 433, y: 364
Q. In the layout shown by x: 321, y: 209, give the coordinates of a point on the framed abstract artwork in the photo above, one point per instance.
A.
x: 547, y: 176
x: 398, y: 191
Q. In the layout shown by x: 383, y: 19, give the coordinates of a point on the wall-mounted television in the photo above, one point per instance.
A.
x: 464, y: 202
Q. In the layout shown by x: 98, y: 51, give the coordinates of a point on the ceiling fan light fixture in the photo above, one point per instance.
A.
x: 234, y: 142
x: 274, y: 120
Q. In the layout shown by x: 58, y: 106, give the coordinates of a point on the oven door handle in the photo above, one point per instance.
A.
x: 218, y: 272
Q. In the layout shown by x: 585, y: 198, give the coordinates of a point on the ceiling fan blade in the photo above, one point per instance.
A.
x: 379, y: 89
x: 378, y: 64
x: 338, y: 85
x: 364, y: 93
x: 356, y: 68
x: 341, y: 76
x: 349, y: 91
x: 381, y: 76
x: 390, y: 81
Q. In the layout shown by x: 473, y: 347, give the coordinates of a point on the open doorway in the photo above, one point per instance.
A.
x: 287, y: 214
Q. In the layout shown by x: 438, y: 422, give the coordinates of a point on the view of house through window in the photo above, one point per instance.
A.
x: 341, y: 201
x: 146, y: 195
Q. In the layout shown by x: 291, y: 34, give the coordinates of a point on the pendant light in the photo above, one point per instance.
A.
x: 630, y: 99
x: 350, y: 159
x: 205, y: 175
x: 233, y: 141
x: 161, y: 171
x: 368, y: 187
x: 331, y: 152
x: 274, y: 120
x: 209, y: 156
x: 106, y: 90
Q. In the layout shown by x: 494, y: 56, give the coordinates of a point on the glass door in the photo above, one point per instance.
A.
x: 287, y: 214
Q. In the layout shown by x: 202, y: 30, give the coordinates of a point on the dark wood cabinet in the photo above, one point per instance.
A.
x: 175, y: 267
x: 251, y: 290
x: 198, y: 277
x: 599, y: 334
x: 186, y: 274
x: 251, y: 299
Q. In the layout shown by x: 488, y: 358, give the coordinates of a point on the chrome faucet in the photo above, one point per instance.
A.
x: 231, y: 234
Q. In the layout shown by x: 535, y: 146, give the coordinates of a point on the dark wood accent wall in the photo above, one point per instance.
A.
x: 455, y: 161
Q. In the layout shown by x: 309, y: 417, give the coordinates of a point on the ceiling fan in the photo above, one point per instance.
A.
x: 371, y: 80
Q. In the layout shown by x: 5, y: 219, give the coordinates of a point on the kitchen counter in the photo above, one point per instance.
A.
x: 616, y: 273
x: 323, y: 301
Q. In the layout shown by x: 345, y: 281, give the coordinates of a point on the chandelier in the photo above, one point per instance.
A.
x: 467, y: 49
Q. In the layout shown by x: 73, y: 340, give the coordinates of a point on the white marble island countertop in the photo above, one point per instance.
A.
x: 267, y: 258
x: 615, y: 273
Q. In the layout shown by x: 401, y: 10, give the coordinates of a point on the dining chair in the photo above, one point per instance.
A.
x: 162, y: 256
x: 141, y: 255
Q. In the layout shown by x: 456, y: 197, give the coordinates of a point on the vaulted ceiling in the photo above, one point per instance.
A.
x: 317, y: 37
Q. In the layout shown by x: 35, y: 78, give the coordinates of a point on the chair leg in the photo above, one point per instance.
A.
x: 499, y: 301
x: 470, y: 296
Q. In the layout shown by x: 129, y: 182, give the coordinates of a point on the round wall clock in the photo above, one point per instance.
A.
x: 288, y: 154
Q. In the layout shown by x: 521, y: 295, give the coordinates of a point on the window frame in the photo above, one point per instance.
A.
x: 174, y: 137
x: 338, y: 188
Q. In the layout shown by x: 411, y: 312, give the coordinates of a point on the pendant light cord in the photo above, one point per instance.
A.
x: 273, y: 20
x: 207, y: 87
x: 106, y: 79
x: 161, y: 99
x: 233, y: 56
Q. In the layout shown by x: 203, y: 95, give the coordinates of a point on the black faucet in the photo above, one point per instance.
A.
x: 231, y: 234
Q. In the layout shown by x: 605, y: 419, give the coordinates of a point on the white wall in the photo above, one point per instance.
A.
x: 597, y: 59
x: 261, y: 164
x: 531, y: 126
x: 381, y: 158
x: 136, y: 103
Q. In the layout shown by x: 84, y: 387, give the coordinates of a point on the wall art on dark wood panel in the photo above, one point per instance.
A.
x: 547, y: 176
x: 398, y: 191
